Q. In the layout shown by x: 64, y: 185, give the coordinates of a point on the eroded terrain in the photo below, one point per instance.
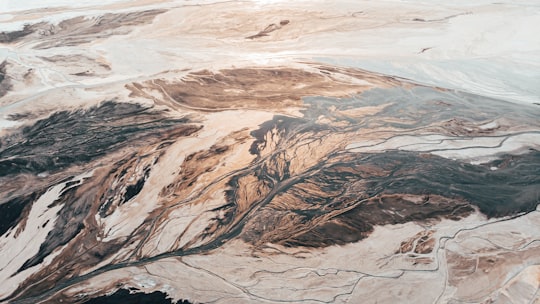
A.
x: 179, y: 174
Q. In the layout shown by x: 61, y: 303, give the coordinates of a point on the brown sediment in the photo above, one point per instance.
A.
x: 62, y: 140
x: 80, y: 30
x: 422, y: 243
x: 252, y: 184
x: 204, y: 162
x: 461, y: 127
x: 79, y: 65
x: 81, y: 60
x: 77, y: 230
x: 195, y: 165
x: 255, y: 88
x: 282, y: 180
x: 422, y: 261
x: 475, y: 273
x: 345, y: 224
x: 270, y: 28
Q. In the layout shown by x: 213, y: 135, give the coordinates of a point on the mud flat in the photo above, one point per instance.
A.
x: 236, y: 152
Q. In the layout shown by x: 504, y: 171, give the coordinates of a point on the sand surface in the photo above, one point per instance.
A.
x: 269, y: 151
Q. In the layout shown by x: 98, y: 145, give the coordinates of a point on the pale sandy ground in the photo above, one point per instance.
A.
x: 477, y: 150
x: 484, y: 48
x: 366, y: 272
x: 24, y: 240
x: 127, y: 218
x: 475, y: 46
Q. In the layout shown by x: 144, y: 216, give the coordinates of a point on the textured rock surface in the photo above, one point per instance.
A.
x: 269, y: 151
